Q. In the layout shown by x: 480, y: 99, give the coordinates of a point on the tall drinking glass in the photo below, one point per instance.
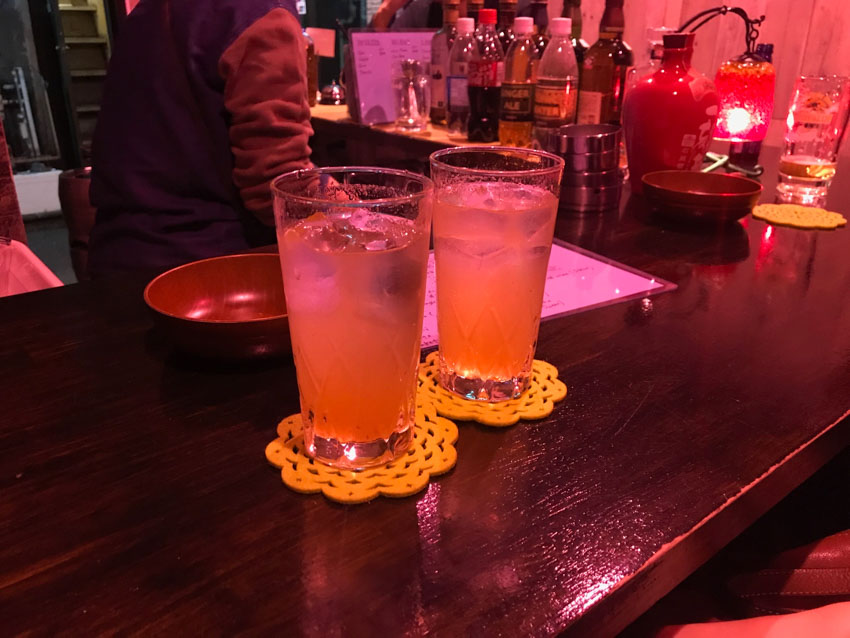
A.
x: 816, y: 122
x: 493, y: 224
x: 353, y: 250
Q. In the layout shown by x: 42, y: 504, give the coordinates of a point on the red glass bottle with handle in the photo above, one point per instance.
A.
x: 669, y: 116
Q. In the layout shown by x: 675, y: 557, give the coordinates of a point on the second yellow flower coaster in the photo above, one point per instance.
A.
x: 536, y: 403
x: 799, y: 216
x: 431, y: 453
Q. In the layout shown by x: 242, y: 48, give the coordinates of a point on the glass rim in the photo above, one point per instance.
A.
x: 825, y: 76
x: 301, y: 173
x: 436, y: 160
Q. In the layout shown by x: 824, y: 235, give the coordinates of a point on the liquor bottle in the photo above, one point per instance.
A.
x: 516, y: 118
x: 435, y: 15
x: 666, y: 127
x: 507, y: 13
x: 540, y: 15
x: 572, y: 10
x: 473, y: 8
x: 603, y: 73
x: 557, y: 81
x: 312, y: 68
x: 464, y: 49
x: 441, y: 45
x: 486, y: 70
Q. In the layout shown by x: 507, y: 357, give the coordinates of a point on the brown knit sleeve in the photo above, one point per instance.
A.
x: 265, y: 93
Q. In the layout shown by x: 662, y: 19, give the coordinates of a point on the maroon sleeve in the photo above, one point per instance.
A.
x: 265, y: 92
x: 11, y: 223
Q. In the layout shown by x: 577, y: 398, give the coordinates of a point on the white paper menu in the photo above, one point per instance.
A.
x: 576, y: 280
x: 374, y: 54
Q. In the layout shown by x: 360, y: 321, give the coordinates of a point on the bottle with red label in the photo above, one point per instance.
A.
x: 486, y: 71
x: 669, y: 116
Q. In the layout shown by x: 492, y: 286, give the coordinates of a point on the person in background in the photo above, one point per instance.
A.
x: 386, y: 13
x: 205, y: 102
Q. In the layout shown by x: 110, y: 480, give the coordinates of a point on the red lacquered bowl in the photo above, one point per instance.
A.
x: 705, y: 197
x: 229, y: 307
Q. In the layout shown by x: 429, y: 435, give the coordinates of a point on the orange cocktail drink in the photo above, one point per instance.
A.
x: 354, y: 276
x: 493, y: 226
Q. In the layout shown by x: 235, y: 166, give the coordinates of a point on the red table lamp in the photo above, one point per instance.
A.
x: 745, y: 88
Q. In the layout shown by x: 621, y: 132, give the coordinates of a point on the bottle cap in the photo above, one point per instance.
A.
x: 523, y: 26
x: 678, y: 40
x: 560, y: 26
x: 487, y: 16
x: 465, y: 26
x: 765, y: 51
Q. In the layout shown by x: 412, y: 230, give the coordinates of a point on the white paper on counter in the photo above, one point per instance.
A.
x: 576, y: 280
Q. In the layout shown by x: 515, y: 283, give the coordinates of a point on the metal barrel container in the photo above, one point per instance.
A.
x: 600, y: 179
x: 592, y: 179
x: 591, y: 162
x: 590, y: 199
x: 580, y: 139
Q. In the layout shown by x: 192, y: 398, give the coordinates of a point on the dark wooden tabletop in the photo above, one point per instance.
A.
x: 135, y: 496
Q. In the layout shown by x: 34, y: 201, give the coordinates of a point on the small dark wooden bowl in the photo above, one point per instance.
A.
x: 225, y: 307
x: 705, y: 197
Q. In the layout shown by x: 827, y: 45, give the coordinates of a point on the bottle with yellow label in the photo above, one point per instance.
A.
x: 557, y: 81
x: 517, y: 97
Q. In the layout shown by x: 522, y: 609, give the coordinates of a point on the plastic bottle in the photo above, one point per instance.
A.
x: 557, y: 80
x: 464, y: 49
x: 516, y: 118
x: 486, y: 71
x: 441, y: 45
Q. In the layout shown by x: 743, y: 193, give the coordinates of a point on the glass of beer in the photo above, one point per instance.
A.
x: 354, y: 250
x: 816, y: 122
x: 494, y: 219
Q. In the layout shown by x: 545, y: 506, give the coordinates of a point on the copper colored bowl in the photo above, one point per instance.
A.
x: 710, y: 197
x: 225, y: 307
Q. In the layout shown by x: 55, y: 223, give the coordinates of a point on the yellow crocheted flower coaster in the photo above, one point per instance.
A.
x: 798, y: 216
x: 431, y: 453
x: 536, y: 403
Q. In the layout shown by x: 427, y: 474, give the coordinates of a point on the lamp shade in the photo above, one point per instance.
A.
x: 745, y: 89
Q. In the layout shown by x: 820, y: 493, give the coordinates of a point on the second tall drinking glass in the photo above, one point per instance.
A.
x: 353, y: 248
x: 817, y: 119
x: 494, y: 217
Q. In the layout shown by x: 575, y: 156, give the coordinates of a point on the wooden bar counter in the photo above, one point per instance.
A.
x: 136, y: 499
x: 340, y: 141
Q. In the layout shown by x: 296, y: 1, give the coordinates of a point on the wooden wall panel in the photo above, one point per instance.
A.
x: 828, y: 42
x: 645, y: 14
